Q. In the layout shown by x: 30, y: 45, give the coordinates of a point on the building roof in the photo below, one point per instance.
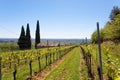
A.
x: 47, y: 44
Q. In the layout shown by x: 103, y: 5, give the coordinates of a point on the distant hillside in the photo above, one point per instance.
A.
x: 45, y: 40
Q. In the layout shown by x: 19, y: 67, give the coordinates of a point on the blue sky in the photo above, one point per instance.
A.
x: 58, y: 18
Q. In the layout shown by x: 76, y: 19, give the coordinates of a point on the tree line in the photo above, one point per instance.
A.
x: 111, y: 31
x: 24, y: 40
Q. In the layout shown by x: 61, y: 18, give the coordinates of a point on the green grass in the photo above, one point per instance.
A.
x: 22, y: 72
x: 83, y: 68
x: 68, y: 69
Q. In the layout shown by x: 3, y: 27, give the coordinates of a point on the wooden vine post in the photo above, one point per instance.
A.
x: 50, y: 58
x: 57, y: 54
x: 15, y: 71
x: 39, y: 63
x: 48, y: 55
x: 56, y: 57
x: 10, y: 61
x: 53, y: 57
x: 46, y: 59
x: 100, y: 55
x: 30, y: 64
x: 0, y: 68
x: 59, y: 51
x: 90, y: 64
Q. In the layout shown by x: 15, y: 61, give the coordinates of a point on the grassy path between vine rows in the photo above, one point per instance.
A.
x: 69, y: 69
x: 83, y: 68
x: 49, y: 69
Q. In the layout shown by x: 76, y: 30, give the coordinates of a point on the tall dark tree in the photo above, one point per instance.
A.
x: 22, y: 39
x: 28, y: 38
x: 115, y: 11
x: 37, y: 34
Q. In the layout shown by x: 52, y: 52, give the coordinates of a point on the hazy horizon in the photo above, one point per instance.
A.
x: 43, y: 38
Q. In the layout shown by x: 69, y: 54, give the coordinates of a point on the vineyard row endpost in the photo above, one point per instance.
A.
x: 39, y: 63
x: 15, y: 71
x: 30, y: 64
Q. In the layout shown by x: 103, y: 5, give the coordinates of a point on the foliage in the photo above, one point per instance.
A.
x: 111, y: 30
x: 23, y: 57
x: 37, y: 35
x: 22, y: 39
x: 28, y: 38
x: 113, y: 71
x: 8, y: 46
x: 110, y: 59
x: 115, y: 11
x: 94, y: 38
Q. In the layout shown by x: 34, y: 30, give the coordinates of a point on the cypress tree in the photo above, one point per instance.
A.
x: 22, y: 39
x: 37, y: 34
x: 28, y: 38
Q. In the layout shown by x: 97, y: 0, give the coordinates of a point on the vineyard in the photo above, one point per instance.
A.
x: 79, y: 63
x: 58, y: 40
x: 21, y: 65
x: 110, y: 61
x: 83, y: 64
